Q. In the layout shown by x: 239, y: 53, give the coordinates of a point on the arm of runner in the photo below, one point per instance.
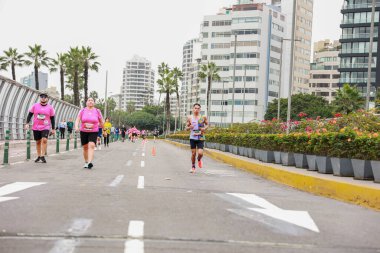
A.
x: 28, y: 120
x: 189, y: 126
x: 52, y: 120
x: 77, y: 124
x: 203, y: 129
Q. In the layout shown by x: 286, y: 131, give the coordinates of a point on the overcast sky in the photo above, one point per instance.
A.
x: 118, y: 29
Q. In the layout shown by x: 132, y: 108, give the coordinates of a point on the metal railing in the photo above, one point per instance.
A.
x: 359, y: 6
x: 357, y: 36
x: 357, y: 65
x: 15, y: 101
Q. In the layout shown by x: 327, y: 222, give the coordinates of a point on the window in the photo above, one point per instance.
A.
x: 221, y: 34
x: 221, y: 23
x: 246, y: 31
x: 246, y: 20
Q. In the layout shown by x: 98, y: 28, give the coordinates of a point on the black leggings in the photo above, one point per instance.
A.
x: 62, y: 131
x: 107, y: 140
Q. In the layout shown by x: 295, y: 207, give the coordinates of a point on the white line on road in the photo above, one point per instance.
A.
x: 142, y: 164
x: 143, y: 154
x: 136, y: 231
x: 129, y: 163
x: 78, y: 227
x: 116, y: 181
x: 140, y: 183
x: 17, y: 186
x: 20, y: 162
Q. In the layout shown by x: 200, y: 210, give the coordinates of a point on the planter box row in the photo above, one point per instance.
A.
x: 344, y: 167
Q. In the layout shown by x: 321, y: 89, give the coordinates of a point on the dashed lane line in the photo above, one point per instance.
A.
x: 135, y: 244
x: 116, y: 181
x: 140, y: 183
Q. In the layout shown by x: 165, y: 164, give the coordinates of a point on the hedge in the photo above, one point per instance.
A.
x: 343, y: 145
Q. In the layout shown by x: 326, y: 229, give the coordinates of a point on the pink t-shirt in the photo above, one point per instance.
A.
x: 90, y: 119
x: 41, y: 116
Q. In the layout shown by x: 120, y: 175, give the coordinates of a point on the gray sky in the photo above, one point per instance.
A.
x: 118, y: 29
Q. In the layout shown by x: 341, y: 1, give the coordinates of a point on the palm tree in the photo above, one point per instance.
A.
x: 166, y: 85
x: 13, y: 59
x: 89, y: 63
x: 61, y: 63
x: 74, y: 65
x: 209, y: 71
x: 348, y: 100
x: 177, y: 75
x: 38, y: 58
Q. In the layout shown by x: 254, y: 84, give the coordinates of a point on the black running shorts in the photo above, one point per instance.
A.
x: 38, y: 135
x: 86, y: 137
x: 196, y: 144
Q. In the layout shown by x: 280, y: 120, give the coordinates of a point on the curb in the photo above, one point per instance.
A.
x: 365, y: 196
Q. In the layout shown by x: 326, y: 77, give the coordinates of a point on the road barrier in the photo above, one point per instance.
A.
x: 6, y: 148
x: 67, y: 142
x: 57, y: 143
x: 28, y: 145
x: 75, y: 140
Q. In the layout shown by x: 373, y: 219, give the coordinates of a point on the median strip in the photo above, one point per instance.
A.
x: 343, y: 189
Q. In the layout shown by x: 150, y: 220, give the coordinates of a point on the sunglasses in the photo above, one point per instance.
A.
x: 43, y: 96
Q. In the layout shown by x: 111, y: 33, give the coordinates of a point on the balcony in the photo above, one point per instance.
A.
x: 359, y: 6
x: 356, y: 65
x: 357, y: 51
x: 355, y: 80
x: 357, y: 21
x: 357, y: 36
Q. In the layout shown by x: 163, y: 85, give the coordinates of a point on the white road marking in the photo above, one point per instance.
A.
x: 1, y: 166
x: 140, y: 183
x: 53, y: 154
x: 142, y: 164
x: 116, y: 181
x: 135, y: 244
x: 17, y: 163
x: 64, y: 152
x: 78, y: 227
x: 299, y: 218
x: 16, y: 187
x: 143, y: 154
x: 129, y: 163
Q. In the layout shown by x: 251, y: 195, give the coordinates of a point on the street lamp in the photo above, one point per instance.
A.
x: 291, y: 66
x: 233, y: 81
x: 105, y: 101
x: 245, y: 77
x: 280, y: 78
x: 369, y: 73
x: 198, y: 80
x: 223, y: 103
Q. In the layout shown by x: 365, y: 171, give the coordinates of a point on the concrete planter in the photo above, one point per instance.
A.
x: 217, y: 146
x: 376, y: 170
x: 312, y: 162
x: 287, y: 159
x: 250, y: 152
x: 224, y: 147
x: 241, y: 151
x: 258, y: 154
x: 234, y: 149
x: 277, y: 157
x: 362, y: 169
x: 300, y: 160
x: 324, y: 165
x: 267, y: 156
x: 342, y: 167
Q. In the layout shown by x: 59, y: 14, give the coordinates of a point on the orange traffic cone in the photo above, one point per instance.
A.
x: 154, y: 151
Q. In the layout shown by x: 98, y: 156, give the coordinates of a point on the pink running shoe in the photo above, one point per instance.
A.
x: 200, y: 164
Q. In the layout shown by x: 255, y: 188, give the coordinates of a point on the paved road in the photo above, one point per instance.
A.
x: 135, y: 202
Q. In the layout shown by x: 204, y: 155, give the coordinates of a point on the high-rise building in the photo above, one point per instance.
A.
x: 30, y: 80
x: 324, y: 75
x: 302, y: 48
x: 138, y: 83
x: 244, y: 90
x: 355, y: 42
x: 191, y: 52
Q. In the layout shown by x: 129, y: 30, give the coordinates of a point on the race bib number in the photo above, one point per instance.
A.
x: 46, y: 122
x: 88, y: 126
x: 41, y: 116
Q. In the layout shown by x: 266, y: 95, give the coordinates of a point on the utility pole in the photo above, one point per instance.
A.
x: 245, y: 77
x: 233, y: 82
x: 105, y: 100
x: 369, y: 73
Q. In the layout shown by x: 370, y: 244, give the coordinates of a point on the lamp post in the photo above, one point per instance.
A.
x: 198, y: 80
x: 291, y: 66
x: 369, y: 73
x: 280, y: 79
x: 233, y: 81
x: 223, y: 103
x: 105, y: 99
x: 245, y: 77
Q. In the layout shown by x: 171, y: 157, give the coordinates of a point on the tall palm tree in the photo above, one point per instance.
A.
x: 38, y: 58
x: 177, y: 75
x: 13, y: 59
x: 74, y: 66
x: 89, y: 63
x: 348, y: 100
x: 60, y: 63
x: 209, y: 71
x: 166, y: 85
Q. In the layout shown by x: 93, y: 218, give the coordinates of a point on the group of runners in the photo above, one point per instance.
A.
x: 93, y: 127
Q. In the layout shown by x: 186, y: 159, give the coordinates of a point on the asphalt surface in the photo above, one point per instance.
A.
x: 132, y: 201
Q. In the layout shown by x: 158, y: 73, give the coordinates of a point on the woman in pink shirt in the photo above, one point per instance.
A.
x: 91, y: 119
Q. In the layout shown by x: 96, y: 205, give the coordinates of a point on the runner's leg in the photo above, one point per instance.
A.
x: 43, y: 146
x: 85, y: 153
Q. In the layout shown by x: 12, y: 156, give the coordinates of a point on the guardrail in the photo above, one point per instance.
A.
x: 16, y: 99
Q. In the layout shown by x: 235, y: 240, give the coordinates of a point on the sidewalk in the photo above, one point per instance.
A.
x: 359, y: 192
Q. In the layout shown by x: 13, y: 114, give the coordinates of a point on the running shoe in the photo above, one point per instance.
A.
x: 200, y: 163
x: 43, y: 159
x: 192, y: 169
x: 85, y: 166
x: 37, y: 160
x: 90, y: 165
